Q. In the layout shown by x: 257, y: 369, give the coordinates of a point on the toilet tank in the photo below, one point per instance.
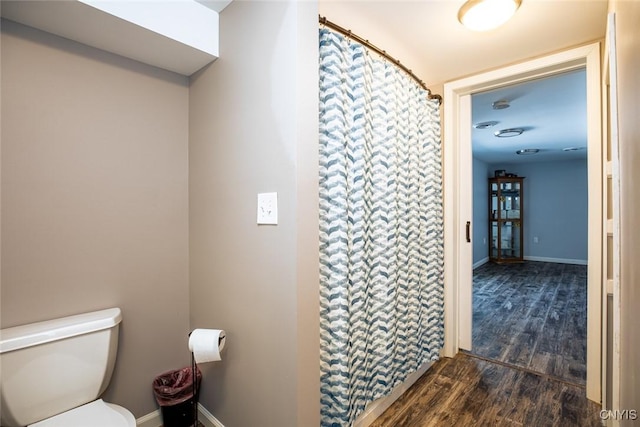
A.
x: 47, y: 368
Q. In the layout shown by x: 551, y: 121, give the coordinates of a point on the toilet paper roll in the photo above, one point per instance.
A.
x: 206, y: 344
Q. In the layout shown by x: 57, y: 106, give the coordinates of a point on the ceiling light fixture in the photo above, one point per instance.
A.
x: 508, y: 133
x: 484, y: 15
x: 527, y: 151
x: 501, y: 104
x: 485, y: 125
x: 573, y: 148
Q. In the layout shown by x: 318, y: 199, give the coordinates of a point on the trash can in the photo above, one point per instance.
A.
x: 174, y: 393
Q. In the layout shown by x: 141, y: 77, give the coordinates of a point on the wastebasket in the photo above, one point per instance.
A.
x: 174, y: 393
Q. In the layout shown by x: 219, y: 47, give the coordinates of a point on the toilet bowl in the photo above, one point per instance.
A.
x: 54, y: 372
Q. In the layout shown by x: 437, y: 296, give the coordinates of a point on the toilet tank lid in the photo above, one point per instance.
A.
x: 19, y: 337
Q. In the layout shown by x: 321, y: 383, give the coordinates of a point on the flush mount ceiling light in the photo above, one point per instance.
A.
x: 485, y: 125
x: 484, y: 15
x: 501, y: 104
x: 573, y: 148
x: 527, y: 151
x: 508, y: 133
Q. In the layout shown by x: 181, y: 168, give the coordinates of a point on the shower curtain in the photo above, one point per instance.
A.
x: 381, y: 228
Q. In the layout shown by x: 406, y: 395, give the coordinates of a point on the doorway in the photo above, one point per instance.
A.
x: 529, y: 299
x: 458, y: 198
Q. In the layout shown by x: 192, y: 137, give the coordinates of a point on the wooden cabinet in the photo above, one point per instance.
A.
x: 505, y: 219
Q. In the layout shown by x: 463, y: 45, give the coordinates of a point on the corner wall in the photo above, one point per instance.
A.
x: 94, y: 199
x: 253, y: 128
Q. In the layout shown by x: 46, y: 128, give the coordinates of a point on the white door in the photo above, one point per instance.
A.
x: 611, y: 229
x: 465, y: 203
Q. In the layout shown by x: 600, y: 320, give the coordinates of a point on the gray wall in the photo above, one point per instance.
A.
x: 253, y: 128
x: 555, y: 208
x: 95, y: 213
x: 628, y: 45
x: 95, y: 199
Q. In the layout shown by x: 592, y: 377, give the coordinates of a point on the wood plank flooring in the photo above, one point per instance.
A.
x: 469, y: 391
x: 532, y: 315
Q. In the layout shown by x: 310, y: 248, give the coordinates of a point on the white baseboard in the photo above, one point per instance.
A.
x: 540, y: 259
x: 481, y: 262
x: 377, y: 407
x: 207, y: 418
x: 556, y: 260
x: 154, y: 419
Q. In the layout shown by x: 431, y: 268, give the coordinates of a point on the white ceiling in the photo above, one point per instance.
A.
x: 427, y: 38
x: 552, y: 112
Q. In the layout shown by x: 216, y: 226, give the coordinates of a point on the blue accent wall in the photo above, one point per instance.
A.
x: 555, y: 209
x: 480, y: 225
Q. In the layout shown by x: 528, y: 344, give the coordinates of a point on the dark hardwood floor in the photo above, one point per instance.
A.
x: 532, y: 315
x: 470, y: 391
x: 528, y: 363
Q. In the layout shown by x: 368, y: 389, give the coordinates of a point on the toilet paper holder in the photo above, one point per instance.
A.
x: 221, y: 337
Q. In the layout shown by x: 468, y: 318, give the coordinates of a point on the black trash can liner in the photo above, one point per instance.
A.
x: 174, y: 393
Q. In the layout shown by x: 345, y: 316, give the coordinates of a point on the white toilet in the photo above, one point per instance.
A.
x: 52, y: 372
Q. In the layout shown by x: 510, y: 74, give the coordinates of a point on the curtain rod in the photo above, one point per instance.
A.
x: 324, y: 21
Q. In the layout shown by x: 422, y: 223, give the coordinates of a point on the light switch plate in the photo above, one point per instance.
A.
x: 268, y: 208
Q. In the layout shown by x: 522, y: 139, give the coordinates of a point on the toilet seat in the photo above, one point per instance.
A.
x: 96, y: 414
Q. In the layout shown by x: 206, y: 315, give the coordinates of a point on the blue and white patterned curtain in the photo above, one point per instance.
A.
x: 381, y: 228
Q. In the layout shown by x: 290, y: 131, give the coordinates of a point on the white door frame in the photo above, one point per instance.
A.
x: 611, y: 213
x: 457, y: 143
